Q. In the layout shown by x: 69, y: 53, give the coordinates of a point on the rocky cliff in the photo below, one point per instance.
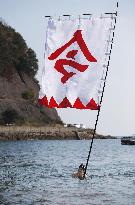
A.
x: 18, y: 88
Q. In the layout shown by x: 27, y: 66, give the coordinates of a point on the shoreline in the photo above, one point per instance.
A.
x: 47, y: 133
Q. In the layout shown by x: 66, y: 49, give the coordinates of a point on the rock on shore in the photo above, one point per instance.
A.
x: 46, y: 133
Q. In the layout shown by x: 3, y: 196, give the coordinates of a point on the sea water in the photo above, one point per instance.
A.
x: 40, y: 173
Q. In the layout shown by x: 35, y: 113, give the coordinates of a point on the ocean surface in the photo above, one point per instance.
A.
x: 39, y: 173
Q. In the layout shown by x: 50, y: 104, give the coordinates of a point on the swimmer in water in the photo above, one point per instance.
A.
x: 80, y: 173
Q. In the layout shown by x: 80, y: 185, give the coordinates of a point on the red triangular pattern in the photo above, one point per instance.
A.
x: 52, y: 103
x: 43, y: 101
x: 92, y: 105
x: 65, y: 103
x: 78, y: 104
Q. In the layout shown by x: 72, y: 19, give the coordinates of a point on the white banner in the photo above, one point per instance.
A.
x: 74, y: 58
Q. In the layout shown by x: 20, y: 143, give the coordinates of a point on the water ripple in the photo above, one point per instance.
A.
x: 39, y: 173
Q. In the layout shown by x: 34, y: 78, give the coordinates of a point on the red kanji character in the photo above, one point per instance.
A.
x: 59, y: 65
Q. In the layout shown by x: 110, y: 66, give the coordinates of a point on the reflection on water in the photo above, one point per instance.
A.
x: 39, y: 172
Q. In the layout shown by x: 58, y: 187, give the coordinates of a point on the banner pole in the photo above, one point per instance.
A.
x: 107, y: 68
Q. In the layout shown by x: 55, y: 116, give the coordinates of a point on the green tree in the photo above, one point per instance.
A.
x: 28, y: 63
x: 28, y: 95
x: 10, y: 116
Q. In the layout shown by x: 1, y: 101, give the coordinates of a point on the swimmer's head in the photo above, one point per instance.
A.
x: 81, y: 166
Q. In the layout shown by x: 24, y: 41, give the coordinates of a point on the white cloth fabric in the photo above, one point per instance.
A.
x: 85, y: 85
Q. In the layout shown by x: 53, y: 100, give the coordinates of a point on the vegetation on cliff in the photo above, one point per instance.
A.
x: 18, y: 88
x: 15, y: 52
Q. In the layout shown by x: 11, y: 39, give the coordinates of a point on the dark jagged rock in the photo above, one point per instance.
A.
x: 128, y: 141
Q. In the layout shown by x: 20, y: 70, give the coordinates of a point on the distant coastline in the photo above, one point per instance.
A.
x: 47, y: 133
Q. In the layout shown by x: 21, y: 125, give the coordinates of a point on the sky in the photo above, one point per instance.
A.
x: 118, y: 107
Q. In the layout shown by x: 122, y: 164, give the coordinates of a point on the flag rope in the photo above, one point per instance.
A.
x: 106, y: 73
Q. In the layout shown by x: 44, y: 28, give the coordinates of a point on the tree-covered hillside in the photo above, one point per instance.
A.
x: 15, y: 52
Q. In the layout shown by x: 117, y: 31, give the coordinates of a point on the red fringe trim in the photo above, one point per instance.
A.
x: 65, y: 104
